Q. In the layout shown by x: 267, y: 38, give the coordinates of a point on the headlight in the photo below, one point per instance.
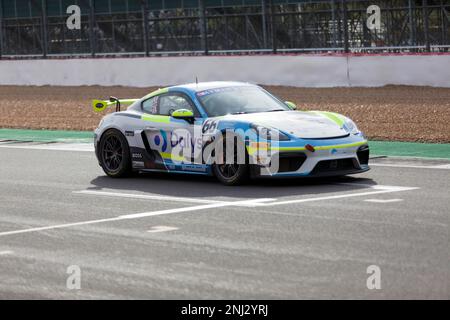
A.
x: 270, y: 134
x: 350, y: 126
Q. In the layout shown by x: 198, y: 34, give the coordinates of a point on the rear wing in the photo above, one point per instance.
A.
x: 100, y: 105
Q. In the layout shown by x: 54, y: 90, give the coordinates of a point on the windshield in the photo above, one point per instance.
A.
x: 237, y: 100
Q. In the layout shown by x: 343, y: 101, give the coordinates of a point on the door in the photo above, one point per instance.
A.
x: 177, y: 142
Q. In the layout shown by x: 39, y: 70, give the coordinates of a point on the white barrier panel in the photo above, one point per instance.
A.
x: 418, y: 70
x: 289, y: 70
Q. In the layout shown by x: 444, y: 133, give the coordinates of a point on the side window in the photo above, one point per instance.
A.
x: 150, y: 105
x: 171, y: 102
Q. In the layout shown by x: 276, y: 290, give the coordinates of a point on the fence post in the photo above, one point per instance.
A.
x: 425, y: 25
x: 44, y: 27
x: 444, y: 24
x: 264, y: 22
x: 144, y: 4
x: 273, y: 27
x: 91, y: 27
x: 345, y: 22
x: 203, y: 26
x: 412, y: 41
x: 1, y: 28
x: 335, y: 24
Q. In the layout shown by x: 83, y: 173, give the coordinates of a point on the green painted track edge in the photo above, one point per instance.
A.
x: 377, y: 148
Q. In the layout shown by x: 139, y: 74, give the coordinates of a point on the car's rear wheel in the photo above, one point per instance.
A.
x: 115, y: 154
x: 234, y: 173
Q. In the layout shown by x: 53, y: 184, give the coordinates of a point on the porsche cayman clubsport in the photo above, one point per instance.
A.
x: 230, y: 130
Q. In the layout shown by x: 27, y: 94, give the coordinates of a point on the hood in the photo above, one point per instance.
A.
x: 305, y: 125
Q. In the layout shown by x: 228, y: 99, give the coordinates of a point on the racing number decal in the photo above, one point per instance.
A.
x: 209, y: 126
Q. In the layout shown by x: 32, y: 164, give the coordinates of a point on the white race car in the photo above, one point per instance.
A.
x: 186, y: 129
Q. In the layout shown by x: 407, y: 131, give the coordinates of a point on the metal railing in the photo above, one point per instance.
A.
x: 272, y: 26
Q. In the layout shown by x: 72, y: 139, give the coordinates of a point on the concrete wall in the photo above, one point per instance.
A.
x: 290, y: 70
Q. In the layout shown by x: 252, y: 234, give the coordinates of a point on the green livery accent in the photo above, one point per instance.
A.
x: 173, y: 157
x: 155, y: 118
x: 291, y: 105
x: 156, y: 92
x: 182, y: 113
x: 335, y: 117
x: 336, y: 146
x: 252, y: 151
x: 100, y: 105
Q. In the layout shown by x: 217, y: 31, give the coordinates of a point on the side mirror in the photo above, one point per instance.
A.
x: 183, y: 114
x: 291, y: 105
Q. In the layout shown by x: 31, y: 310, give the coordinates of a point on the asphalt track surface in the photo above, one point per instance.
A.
x: 185, y: 237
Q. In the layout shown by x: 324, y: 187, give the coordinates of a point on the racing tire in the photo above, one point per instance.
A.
x: 114, y: 154
x: 232, y: 174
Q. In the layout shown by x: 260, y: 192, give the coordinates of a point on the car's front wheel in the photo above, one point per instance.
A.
x: 114, y: 154
x: 234, y: 173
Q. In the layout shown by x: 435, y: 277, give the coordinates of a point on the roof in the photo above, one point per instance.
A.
x: 201, y: 86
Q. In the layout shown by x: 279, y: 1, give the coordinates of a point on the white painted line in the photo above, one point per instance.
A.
x: 379, y: 189
x: 156, y: 229
x: 384, y: 189
x: 145, y: 196
x: 84, y: 147
x: 195, y: 208
x: 253, y: 202
x: 383, y: 200
x: 4, y: 253
x: 244, y: 203
x: 444, y: 166
x: 58, y: 226
x: 377, y: 186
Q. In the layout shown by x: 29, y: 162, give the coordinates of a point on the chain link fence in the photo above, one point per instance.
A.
x: 38, y: 28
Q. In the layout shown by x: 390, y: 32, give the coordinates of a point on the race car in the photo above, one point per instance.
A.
x: 230, y: 130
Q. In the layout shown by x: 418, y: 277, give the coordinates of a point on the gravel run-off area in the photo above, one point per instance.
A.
x: 400, y: 113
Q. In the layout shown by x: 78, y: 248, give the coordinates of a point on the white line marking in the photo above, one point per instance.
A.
x: 252, y: 202
x: 156, y: 229
x: 145, y: 196
x: 384, y: 189
x: 194, y: 208
x: 383, y: 200
x: 58, y: 226
x: 443, y: 166
x: 138, y: 215
x: 4, y: 253
x: 167, y: 198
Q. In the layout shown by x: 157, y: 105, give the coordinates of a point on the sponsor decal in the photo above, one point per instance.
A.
x: 211, y: 91
x: 161, y: 139
x: 138, y: 164
x: 129, y: 133
x: 136, y: 155
x: 191, y: 167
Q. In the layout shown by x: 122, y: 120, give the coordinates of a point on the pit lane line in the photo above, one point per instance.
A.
x: 379, y: 189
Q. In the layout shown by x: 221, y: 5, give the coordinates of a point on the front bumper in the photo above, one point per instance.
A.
x: 331, y: 160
